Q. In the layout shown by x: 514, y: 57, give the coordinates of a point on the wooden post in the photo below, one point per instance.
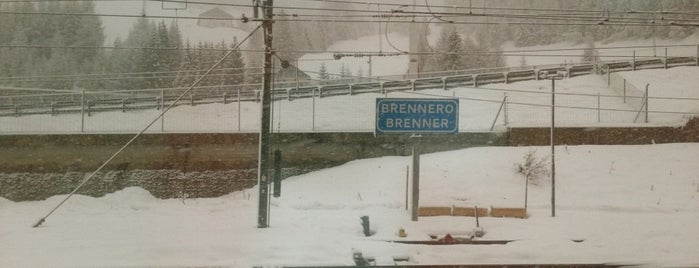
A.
x: 624, y: 90
x: 238, y: 110
x: 313, y: 111
x: 82, y: 111
x: 162, y: 108
x: 599, y: 116
x: 407, y: 183
x: 507, y: 120
x: 647, y: 96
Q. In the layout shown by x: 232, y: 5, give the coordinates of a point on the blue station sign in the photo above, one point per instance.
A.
x: 420, y: 116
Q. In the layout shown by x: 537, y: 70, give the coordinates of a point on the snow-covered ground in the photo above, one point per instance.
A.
x: 629, y: 204
x: 528, y: 105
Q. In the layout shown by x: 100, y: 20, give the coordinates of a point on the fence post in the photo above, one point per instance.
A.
x: 507, y: 120
x: 502, y: 106
x: 225, y: 96
x: 609, y: 76
x: 123, y: 105
x: 665, y: 60
x: 594, y: 64
x: 162, y: 108
x: 647, y: 97
x: 624, y: 90
x: 350, y: 89
x: 82, y: 111
x: 444, y: 79
x: 633, y: 61
x: 599, y: 108
x: 191, y: 99
x: 412, y: 85
x: 507, y: 77
x: 475, y: 80
x: 238, y: 110
x: 383, y: 89
x: 313, y: 111
x: 697, y: 58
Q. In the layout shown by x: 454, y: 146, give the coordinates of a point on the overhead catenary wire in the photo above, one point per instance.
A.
x: 507, y: 8
x: 299, y: 51
x: 43, y: 219
x: 625, y: 11
x: 593, y: 20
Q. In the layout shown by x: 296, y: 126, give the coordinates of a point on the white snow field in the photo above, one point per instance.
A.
x: 629, y: 204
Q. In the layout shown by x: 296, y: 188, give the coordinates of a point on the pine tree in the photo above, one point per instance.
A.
x: 235, y: 75
x: 175, y: 55
x: 452, y: 47
x: 323, y: 72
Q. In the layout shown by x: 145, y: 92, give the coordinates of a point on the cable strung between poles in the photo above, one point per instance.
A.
x: 43, y: 219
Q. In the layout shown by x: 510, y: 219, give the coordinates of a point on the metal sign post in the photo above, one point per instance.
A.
x: 416, y: 177
x: 416, y: 116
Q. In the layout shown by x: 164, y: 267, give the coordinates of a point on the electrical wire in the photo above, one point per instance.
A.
x: 388, y: 40
x: 43, y: 219
x: 474, y: 52
x: 512, y: 9
x: 625, y: 11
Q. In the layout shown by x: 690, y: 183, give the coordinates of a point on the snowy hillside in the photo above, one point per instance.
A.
x: 538, y: 55
x: 527, y: 106
x: 119, y: 27
x: 628, y: 204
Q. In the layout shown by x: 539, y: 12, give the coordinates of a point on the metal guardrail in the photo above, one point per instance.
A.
x: 474, y: 78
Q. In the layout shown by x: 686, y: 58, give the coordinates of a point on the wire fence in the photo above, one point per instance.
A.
x: 315, y: 107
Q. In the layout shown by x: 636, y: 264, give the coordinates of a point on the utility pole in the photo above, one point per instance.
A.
x: 553, y: 76
x: 265, y: 121
x: 553, y: 148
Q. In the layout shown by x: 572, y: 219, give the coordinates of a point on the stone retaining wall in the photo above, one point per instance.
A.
x: 34, y: 167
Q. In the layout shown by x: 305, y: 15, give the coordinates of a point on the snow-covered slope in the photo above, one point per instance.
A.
x: 119, y: 26
x: 527, y: 106
x: 629, y: 204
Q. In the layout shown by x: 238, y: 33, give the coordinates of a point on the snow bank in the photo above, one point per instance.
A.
x: 628, y: 204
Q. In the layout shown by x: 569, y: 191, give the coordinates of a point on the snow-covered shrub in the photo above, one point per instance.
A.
x: 533, y: 167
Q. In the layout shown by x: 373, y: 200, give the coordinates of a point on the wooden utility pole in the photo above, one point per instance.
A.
x: 265, y: 121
